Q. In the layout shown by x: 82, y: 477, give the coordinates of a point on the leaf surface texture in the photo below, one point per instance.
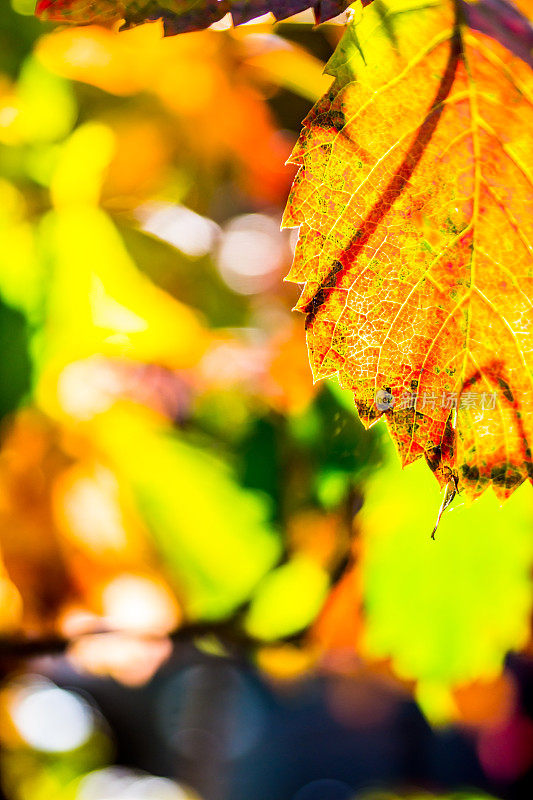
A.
x: 414, y: 198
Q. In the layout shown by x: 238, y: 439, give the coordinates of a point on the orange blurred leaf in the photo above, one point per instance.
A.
x: 339, y: 626
x: 221, y: 112
x: 292, y: 387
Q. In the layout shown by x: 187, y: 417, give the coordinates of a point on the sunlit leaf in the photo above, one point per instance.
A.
x: 214, y: 535
x: 81, y: 166
x: 414, y: 199
x: 21, y: 271
x: 26, y: 7
x: 41, y: 109
x: 445, y: 612
x: 104, y: 305
x: 288, y: 599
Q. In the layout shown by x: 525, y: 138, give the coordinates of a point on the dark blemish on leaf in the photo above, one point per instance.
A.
x: 337, y: 120
x: 507, y: 393
x: 452, y: 227
x: 433, y: 458
x: 470, y: 473
x: 506, y: 475
x: 498, y: 474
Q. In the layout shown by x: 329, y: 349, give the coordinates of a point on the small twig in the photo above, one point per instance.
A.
x: 20, y: 647
x: 451, y: 490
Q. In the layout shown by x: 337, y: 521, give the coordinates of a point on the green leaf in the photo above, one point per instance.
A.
x: 445, y: 611
x: 213, y: 534
x: 288, y: 599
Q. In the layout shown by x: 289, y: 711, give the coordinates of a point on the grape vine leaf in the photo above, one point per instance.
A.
x: 414, y: 197
x: 181, y: 16
x: 498, y: 18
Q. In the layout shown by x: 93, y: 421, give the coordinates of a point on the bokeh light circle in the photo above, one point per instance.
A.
x: 122, y: 783
x: 48, y: 718
x: 229, y: 723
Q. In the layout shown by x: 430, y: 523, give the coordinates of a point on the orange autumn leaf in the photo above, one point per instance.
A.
x: 291, y: 388
x: 30, y: 460
x: 340, y: 623
x: 486, y: 703
x: 222, y: 115
x: 414, y: 198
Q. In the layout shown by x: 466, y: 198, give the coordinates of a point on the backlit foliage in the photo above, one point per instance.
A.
x: 410, y: 584
x: 178, y: 500
x: 414, y: 198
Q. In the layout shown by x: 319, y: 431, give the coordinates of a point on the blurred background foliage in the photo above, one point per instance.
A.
x: 214, y: 583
